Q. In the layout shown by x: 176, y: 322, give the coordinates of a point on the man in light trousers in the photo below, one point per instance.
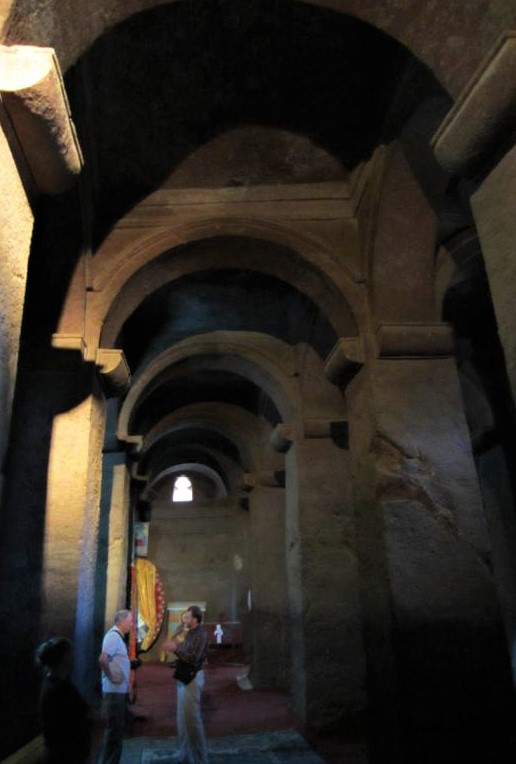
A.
x: 193, y: 748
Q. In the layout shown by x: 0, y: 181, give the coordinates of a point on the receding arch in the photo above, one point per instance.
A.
x: 137, y: 272
x: 187, y: 467
x: 268, y: 363
x: 232, y: 422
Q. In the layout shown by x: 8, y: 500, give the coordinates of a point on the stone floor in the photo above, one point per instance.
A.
x: 259, y: 748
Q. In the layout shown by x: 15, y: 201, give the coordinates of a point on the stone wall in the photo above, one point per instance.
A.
x: 195, y: 549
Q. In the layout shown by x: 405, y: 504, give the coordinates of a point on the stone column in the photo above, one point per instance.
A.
x: 16, y: 223
x: 270, y: 636
x: 71, y: 530
x: 328, y: 666
x: 118, y: 524
x: 438, y: 668
x: 49, y: 525
x: 476, y: 142
x: 493, y: 208
x: 39, y: 152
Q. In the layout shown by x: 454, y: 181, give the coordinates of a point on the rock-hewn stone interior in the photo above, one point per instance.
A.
x: 268, y: 247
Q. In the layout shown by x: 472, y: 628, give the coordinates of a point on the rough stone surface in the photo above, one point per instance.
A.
x: 428, y: 592
x: 194, y: 549
x: 16, y: 221
x: 287, y: 746
x: 492, y: 204
x: 259, y: 184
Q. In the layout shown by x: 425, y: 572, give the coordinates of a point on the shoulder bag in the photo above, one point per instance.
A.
x: 184, y: 672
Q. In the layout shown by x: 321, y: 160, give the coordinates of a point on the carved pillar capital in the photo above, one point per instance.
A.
x: 114, y: 371
x: 136, y: 475
x: 345, y: 360
x: 335, y: 430
x: 282, y: 437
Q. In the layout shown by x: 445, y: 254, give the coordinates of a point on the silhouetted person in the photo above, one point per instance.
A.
x: 116, y: 667
x: 192, y: 651
x: 63, y: 711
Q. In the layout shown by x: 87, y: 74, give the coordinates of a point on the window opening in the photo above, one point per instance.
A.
x: 183, y: 489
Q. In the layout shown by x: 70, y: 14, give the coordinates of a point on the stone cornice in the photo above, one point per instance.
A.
x: 305, y: 201
x: 69, y: 342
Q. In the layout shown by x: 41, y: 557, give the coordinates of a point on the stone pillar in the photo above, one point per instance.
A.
x: 72, y: 528
x: 476, y: 142
x: 16, y: 223
x: 49, y: 523
x: 493, y: 208
x: 270, y: 635
x: 438, y: 668
x: 118, y: 541
x: 39, y: 152
x: 403, y: 239
x: 328, y: 665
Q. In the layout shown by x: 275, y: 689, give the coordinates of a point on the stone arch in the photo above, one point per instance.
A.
x: 225, y: 419
x: 177, y: 469
x: 118, y: 296
x: 452, y: 65
x: 229, y: 351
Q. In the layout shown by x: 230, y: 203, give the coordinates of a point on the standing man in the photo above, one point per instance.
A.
x: 193, y: 748
x: 115, y: 664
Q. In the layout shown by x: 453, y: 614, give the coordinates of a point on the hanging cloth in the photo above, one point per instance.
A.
x: 146, y: 597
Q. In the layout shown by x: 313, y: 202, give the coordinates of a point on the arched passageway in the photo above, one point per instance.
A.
x: 242, y: 291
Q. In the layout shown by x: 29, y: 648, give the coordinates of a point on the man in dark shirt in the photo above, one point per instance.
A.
x: 193, y: 748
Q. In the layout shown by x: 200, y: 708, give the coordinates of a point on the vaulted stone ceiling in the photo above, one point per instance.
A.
x: 155, y: 89
x: 226, y: 94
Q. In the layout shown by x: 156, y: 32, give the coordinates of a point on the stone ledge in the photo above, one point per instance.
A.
x: 484, y: 113
x: 69, y: 342
x: 415, y: 341
x: 34, y: 96
x: 263, y: 478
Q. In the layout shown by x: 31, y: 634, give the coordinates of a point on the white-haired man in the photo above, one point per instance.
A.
x: 116, y: 667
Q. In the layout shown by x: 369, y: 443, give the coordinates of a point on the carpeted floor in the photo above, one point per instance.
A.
x: 226, y: 709
x: 242, y: 726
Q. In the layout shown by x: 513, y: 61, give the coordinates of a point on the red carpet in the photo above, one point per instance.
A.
x: 227, y: 710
